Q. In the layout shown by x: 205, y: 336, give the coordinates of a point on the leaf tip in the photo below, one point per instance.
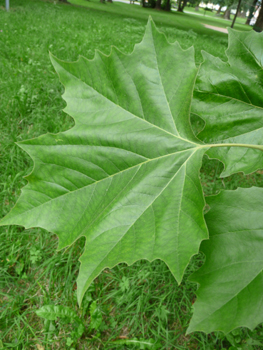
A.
x: 80, y: 295
x: 53, y: 59
x: 150, y: 24
x: 188, y: 331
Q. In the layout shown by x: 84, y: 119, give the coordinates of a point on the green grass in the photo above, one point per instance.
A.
x: 175, y: 19
x: 203, y: 13
x: 142, y: 301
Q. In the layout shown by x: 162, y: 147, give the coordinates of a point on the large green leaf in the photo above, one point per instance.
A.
x: 229, y: 97
x: 231, y: 280
x: 126, y: 176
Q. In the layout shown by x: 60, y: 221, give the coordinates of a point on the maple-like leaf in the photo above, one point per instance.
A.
x: 229, y: 97
x: 231, y: 280
x: 126, y: 176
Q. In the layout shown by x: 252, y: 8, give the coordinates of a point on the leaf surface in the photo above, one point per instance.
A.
x: 231, y: 280
x: 126, y: 176
x: 229, y: 97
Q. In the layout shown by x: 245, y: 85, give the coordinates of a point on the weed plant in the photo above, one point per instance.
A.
x: 126, y: 307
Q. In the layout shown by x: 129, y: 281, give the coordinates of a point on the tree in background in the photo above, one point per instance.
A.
x: 237, y: 11
x: 149, y: 3
x: 167, y: 5
x: 228, y: 4
x: 220, y: 3
x: 158, y: 4
x: 196, y: 3
x: 162, y: 5
x: 251, y: 11
x: 244, y: 7
x: 258, y: 27
x: 181, y: 5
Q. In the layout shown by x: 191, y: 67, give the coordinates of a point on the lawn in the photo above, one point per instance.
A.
x: 175, y: 19
x: 136, y: 307
x: 202, y: 12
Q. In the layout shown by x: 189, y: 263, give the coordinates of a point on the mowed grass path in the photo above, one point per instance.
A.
x: 141, y: 302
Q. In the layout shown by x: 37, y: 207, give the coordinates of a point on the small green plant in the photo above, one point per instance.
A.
x: 95, y: 316
x: 56, y: 317
x: 65, y: 315
x: 126, y: 176
x: 35, y: 255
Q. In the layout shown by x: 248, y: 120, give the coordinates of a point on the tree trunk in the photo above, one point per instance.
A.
x: 167, y: 6
x: 251, y: 11
x: 219, y: 10
x: 197, y: 8
x: 143, y: 3
x: 184, y: 3
x: 158, y: 5
x: 258, y: 27
x: 227, y: 14
x: 179, y: 2
x: 237, y: 11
